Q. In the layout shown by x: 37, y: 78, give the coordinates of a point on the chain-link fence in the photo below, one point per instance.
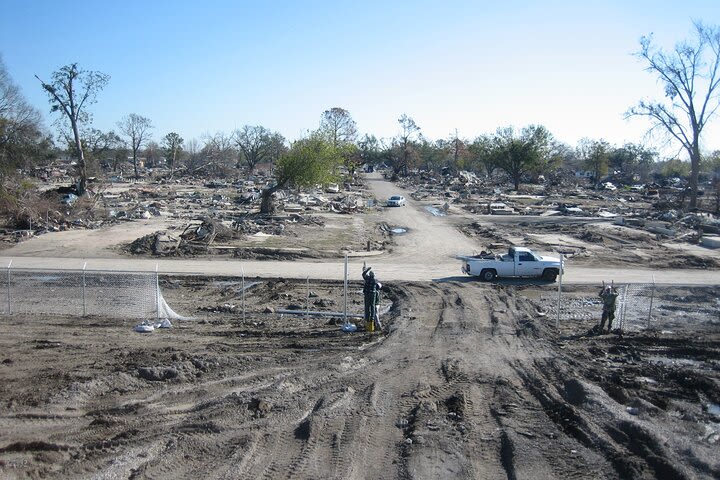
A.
x: 639, y: 306
x: 83, y: 292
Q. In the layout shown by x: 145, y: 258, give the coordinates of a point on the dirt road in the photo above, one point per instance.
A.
x: 469, y: 383
x: 426, y: 252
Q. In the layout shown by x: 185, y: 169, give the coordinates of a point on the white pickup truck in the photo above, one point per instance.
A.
x: 518, y: 262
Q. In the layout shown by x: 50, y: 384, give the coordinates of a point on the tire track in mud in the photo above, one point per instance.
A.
x: 462, y: 387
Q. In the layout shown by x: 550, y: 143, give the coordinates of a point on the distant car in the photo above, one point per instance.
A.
x: 396, y: 201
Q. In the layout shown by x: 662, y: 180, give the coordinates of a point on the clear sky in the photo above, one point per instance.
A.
x: 203, y: 67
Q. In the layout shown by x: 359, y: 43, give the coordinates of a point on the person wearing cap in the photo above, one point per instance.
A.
x: 371, y: 296
x: 609, y: 295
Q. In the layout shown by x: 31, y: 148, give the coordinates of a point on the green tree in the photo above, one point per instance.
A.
x: 310, y: 161
x: 710, y: 165
x: 172, y: 143
x: 433, y: 156
x: 690, y: 77
x: 518, y: 155
x: 482, y: 157
x: 631, y: 159
x: 675, y: 168
x: 70, y: 92
x: 136, y: 129
x: 594, y: 155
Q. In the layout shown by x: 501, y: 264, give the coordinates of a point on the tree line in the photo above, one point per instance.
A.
x: 689, y: 75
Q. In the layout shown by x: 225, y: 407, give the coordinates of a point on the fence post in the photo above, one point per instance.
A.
x: 242, y: 273
x: 9, y: 311
x: 652, y: 297
x: 557, y: 320
x: 307, y: 297
x: 157, y: 294
x: 624, y: 307
x: 83, y: 296
x: 345, y: 286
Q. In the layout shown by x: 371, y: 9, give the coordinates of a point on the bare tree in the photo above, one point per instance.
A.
x: 136, y: 129
x: 219, y: 153
x: 257, y: 144
x: 689, y: 75
x: 20, y: 126
x: 71, y: 91
x: 338, y: 127
x: 405, y: 142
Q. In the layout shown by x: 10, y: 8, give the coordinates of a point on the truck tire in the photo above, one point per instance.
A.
x: 488, y: 274
x: 549, y: 274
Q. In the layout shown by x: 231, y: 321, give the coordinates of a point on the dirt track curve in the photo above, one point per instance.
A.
x: 472, y: 385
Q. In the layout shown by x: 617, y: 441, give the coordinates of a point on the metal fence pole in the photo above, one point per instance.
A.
x: 83, y: 296
x: 624, y: 307
x: 9, y: 311
x: 557, y: 319
x: 307, y: 297
x: 157, y: 294
x: 345, y: 286
x: 242, y: 272
x: 652, y: 297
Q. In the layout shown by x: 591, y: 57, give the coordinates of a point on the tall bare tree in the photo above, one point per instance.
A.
x: 257, y: 144
x: 220, y: 155
x: 70, y: 92
x: 689, y: 75
x: 338, y: 126
x: 409, y: 129
x: 20, y: 126
x: 136, y: 129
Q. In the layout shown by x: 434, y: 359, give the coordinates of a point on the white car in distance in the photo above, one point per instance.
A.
x: 396, y: 201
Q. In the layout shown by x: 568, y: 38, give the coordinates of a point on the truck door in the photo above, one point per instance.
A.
x: 506, y: 266
x: 527, y: 265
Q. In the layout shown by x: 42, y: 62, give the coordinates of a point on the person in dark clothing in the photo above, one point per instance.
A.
x: 371, y: 295
x: 609, y: 295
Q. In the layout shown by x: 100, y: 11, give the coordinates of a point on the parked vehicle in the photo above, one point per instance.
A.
x: 518, y: 262
x: 396, y: 201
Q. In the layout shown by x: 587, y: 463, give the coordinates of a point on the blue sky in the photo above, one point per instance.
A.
x: 213, y: 66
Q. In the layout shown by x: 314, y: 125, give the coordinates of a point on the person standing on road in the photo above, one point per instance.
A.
x: 609, y: 295
x: 371, y: 294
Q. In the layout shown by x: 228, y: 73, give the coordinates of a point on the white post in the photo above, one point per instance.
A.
x: 157, y: 294
x: 557, y: 320
x: 345, y: 286
x: 83, y: 278
x: 242, y: 272
x: 652, y: 296
x: 8, y: 287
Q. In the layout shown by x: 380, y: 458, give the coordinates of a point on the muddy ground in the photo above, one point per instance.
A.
x: 469, y: 380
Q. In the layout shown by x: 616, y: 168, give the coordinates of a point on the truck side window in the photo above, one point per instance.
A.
x: 526, y: 257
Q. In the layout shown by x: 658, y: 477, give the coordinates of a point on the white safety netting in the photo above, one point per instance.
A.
x: 84, y: 292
